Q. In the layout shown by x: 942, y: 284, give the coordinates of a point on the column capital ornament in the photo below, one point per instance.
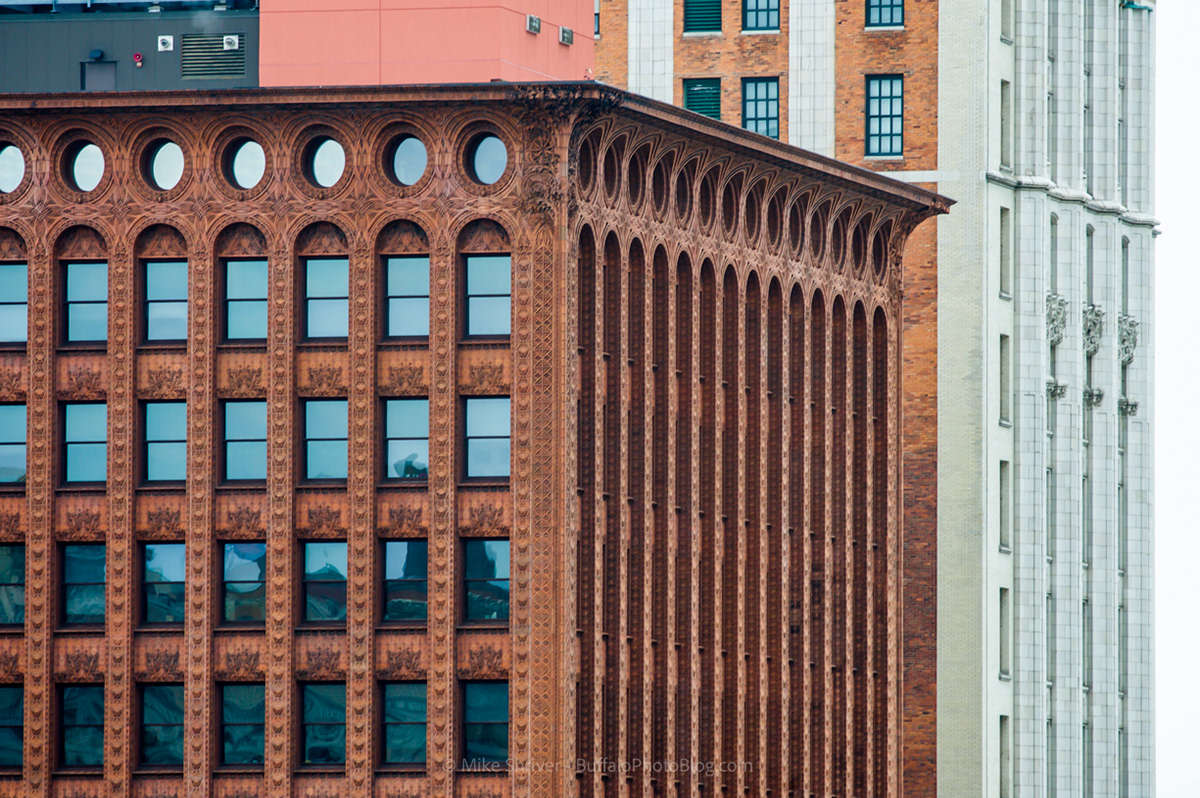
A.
x: 1055, y: 389
x: 1127, y: 337
x: 1093, y: 328
x: 1056, y: 318
x: 1126, y: 407
x: 1093, y: 396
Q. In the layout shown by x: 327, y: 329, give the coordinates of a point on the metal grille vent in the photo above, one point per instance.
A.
x: 203, y: 55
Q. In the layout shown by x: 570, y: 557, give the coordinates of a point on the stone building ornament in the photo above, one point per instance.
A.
x: 1127, y: 337
x: 1055, y: 389
x: 1056, y: 318
x: 1126, y: 407
x: 1093, y: 328
x: 1093, y: 396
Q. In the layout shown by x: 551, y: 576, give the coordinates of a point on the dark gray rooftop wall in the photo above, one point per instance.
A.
x: 45, y: 52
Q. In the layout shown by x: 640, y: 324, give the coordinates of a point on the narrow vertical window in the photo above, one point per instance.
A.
x: 489, y: 295
x: 245, y: 430
x: 162, y: 725
x: 327, y: 297
x: 244, y: 583
x: 12, y: 725
x: 81, y: 725
x: 760, y: 106
x: 166, y: 301
x: 488, y: 437
x: 1005, y: 380
x: 407, y: 296
x: 485, y: 581
x: 1005, y: 506
x: 165, y: 425
x: 85, y: 442
x: 243, y: 724
x: 885, y: 13
x: 405, y: 585
x: 1006, y: 254
x: 1006, y: 20
x: 324, y: 724
x: 325, y: 581
x: 703, y: 96
x: 14, y: 303
x: 407, y: 432
x: 246, y: 300
x: 760, y: 14
x: 12, y: 444
x: 12, y: 585
x: 1005, y: 759
x: 1006, y: 149
x: 87, y: 302
x: 163, y: 582
x: 326, y: 432
x: 701, y: 16
x: 83, y: 572
x: 1005, y: 631
x: 885, y: 115
x: 404, y: 723
x: 485, y: 722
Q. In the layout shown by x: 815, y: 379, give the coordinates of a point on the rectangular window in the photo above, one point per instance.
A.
x: 83, y: 583
x: 12, y: 725
x: 1006, y: 257
x: 701, y: 16
x: 405, y: 575
x: 324, y: 722
x: 488, y: 437
x: 703, y: 96
x: 81, y: 726
x: 327, y: 297
x: 244, y: 583
x: 246, y: 440
x: 885, y: 13
x: 85, y: 442
x: 1006, y: 149
x: 166, y: 301
x: 489, y: 295
x: 1006, y: 20
x: 1005, y: 380
x: 162, y: 725
x: 326, y: 431
x: 1005, y: 633
x: 162, y: 582
x: 12, y: 444
x: 760, y: 14
x: 1005, y: 759
x: 485, y: 722
x: 325, y: 581
x: 166, y: 441
x: 404, y: 723
x: 243, y: 724
x: 885, y: 115
x: 407, y: 431
x: 407, y: 296
x: 485, y: 580
x: 14, y: 303
x: 12, y: 585
x: 246, y: 300
x: 760, y: 106
x: 87, y: 302
x: 1005, y: 506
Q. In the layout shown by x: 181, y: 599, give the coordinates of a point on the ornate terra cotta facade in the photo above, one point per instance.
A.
x: 705, y: 366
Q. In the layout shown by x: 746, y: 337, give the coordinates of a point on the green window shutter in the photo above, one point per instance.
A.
x: 701, y: 16
x: 703, y: 96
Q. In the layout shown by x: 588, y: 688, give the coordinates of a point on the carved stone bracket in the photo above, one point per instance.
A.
x: 1092, y: 397
x: 1056, y: 318
x: 1055, y: 389
x: 1127, y: 337
x: 1093, y: 328
x: 1126, y: 407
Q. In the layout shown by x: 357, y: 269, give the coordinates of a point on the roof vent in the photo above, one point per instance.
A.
x: 209, y: 55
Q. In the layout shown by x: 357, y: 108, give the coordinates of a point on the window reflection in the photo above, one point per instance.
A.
x: 326, y: 431
x: 324, y: 724
x: 488, y: 437
x: 163, y: 582
x: 325, y: 581
x: 166, y: 441
x: 86, y: 442
x: 404, y: 705
x: 83, y: 583
x: 485, y: 577
x: 245, y: 574
x: 12, y: 585
x: 405, y: 589
x: 246, y: 440
x: 407, y: 432
x: 485, y: 721
x: 243, y: 724
x: 12, y: 711
x: 162, y: 725
x: 81, y: 731
x: 12, y: 444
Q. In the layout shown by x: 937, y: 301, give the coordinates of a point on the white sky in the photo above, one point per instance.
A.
x: 1177, y: 355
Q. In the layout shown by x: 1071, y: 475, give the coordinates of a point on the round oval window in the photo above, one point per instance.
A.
x: 328, y: 163
x: 488, y: 159
x: 88, y: 167
x: 248, y: 165
x: 12, y: 168
x: 409, y: 161
x: 166, y: 166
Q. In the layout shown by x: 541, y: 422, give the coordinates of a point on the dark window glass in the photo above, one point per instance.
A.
x: 885, y: 115
x: 166, y: 301
x: 162, y: 583
x: 407, y: 432
x: 405, y: 571
x: 760, y: 14
x: 86, y: 442
x: 325, y: 436
x: 12, y: 585
x: 245, y: 300
x: 12, y: 444
x: 245, y: 577
x: 246, y: 440
x: 166, y: 441
x: 14, y: 303
x: 885, y: 12
x: 325, y: 581
x: 488, y: 437
x: 760, y: 106
x: 701, y: 16
x: 485, y: 579
x: 162, y: 724
x: 408, y: 296
x: 83, y: 583
x: 703, y: 96
x: 243, y: 724
x: 12, y: 722
x: 324, y: 724
x: 327, y: 297
x: 404, y: 722
x: 485, y: 721
x: 489, y: 294
x: 82, y: 728
x: 87, y: 302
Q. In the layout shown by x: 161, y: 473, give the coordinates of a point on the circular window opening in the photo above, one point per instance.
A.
x: 325, y: 162
x: 587, y: 165
x: 87, y: 166
x: 683, y: 197
x: 408, y: 160
x: 248, y: 164
x: 633, y: 176
x: 879, y: 252
x: 487, y: 158
x: 12, y: 168
x: 166, y: 165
